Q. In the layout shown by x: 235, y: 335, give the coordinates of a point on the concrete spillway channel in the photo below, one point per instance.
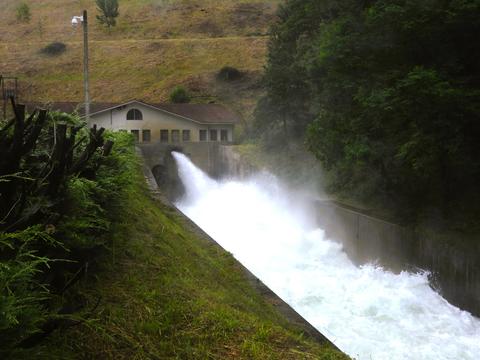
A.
x: 367, y: 310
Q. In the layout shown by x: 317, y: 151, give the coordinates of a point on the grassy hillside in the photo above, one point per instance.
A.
x: 169, y: 293
x: 156, y: 45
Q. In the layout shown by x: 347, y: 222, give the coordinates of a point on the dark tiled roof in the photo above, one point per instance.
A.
x: 202, y: 113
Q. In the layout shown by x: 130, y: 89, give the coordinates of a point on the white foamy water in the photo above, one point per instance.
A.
x: 366, y: 311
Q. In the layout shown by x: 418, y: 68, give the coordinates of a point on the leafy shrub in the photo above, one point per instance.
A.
x: 89, y: 200
x: 229, y: 73
x: 54, y: 49
x: 21, y: 301
x: 23, y: 12
x: 179, y: 95
x: 54, y: 235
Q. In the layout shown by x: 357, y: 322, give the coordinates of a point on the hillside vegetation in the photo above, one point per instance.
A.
x: 386, y: 93
x: 156, y: 45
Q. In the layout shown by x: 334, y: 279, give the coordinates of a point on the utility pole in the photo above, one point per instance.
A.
x: 85, y: 66
x: 84, y: 20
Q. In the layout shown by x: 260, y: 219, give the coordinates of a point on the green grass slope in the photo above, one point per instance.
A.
x: 168, y: 293
x: 156, y: 45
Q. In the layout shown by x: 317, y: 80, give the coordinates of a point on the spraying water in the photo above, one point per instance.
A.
x: 368, y: 312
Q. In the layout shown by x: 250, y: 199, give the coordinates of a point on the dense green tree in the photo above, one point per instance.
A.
x: 108, y: 12
x: 389, y: 91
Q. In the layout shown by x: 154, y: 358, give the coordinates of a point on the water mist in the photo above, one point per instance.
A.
x: 368, y: 312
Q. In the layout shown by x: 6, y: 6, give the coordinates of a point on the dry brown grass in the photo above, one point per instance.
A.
x: 156, y: 45
x: 141, y: 19
x: 146, y: 69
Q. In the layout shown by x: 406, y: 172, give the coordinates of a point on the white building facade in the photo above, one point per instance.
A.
x: 167, y: 123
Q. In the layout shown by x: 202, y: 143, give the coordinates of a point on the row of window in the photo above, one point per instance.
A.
x: 174, y: 135
x: 146, y: 135
x: 213, y: 135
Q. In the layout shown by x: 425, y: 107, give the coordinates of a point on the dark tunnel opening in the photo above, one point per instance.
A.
x: 167, y: 178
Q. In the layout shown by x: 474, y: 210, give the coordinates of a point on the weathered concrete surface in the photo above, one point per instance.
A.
x: 212, y: 157
x: 158, y: 158
x: 206, y: 155
x: 455, y: 270
x: 365, y: 238
x: 232, y: 163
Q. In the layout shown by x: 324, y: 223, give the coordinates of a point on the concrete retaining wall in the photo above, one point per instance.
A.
x: 454, y: 266
x: 208, y: 156
x: 211, y: 157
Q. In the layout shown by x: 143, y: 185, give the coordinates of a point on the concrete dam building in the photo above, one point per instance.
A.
x: 160, y: 123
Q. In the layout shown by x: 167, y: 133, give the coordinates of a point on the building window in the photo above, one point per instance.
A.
x: 136, y: 134
x: 134, y: 114
x: 213, y: 135
x: 186, y: 135
x: 163, y: 135
x: 146, y: 135
x: 224, y: 135
x: 175, y: 136
x: 203, y: 135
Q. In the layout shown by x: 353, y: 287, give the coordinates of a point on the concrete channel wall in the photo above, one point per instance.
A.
x: 454, y: 268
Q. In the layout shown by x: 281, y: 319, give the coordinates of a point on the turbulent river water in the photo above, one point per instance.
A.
x: 368, y: 312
